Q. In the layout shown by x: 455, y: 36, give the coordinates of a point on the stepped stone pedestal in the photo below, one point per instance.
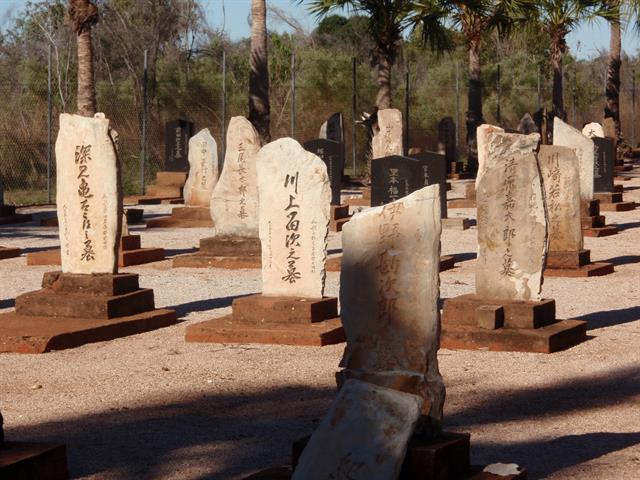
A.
x: 470, y: 322
x: 274, y: 320
x: 168, y: 188
x: 184, y: 217
x: 31, y: 461
x: 8, y: 215
x: 613, y: 202
x: 130, y: 253
x: 363, y: 201
x: 75, y: 309
x: 134, y: 215
x: 6, y: 252
x: 575, y: 264
x: 223, y: 252
x: 339, y: 215
x: 469, y: 200
x: 593, y: 224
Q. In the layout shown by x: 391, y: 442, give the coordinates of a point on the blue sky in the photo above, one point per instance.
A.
x: 585, y: 41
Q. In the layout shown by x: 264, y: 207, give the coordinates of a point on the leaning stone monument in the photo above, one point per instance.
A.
x: 506, y: 313
x: 203, y: 176
x: 567, y: 256
x: 88, y: 301
x: 593, y: 224
x: 294, y: 196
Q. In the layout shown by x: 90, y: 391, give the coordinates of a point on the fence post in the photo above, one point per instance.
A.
x: 293, y: 95
x: 457, y: 106
x: 574, y: 96
x: 354, y: 106
x: 633, y: 108
x: 406, y: 110
x: 49, y: 127
x: 223, y: 129
x: 143, y: 152
x: 498, y: 116
x: 539, y: 89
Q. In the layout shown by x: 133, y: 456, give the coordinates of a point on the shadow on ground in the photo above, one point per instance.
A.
x: 624, y: 260
x: 609, y: 318
x: 205, y: 305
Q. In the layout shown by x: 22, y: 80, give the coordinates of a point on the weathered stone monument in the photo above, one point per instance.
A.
x: 567, y: 256
x: 234, y: 206
x: 593, y: 224
x: 294, y: 197
x: 386, y: 420
x: 387, y: 138
x: 22, y: 460
x: 506, y: 313
x: 593, y: 129
x: 526, y: 125
x: 88, y: 301
x: 203, y: 176
x: 333, y: 128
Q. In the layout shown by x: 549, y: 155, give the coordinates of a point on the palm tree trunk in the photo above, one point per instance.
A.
x: 612, y: 93
x: 557, y: 52
x: 383, y: 98
x: 259, y: 109
x: 474, y: 112
x: 83, y: 15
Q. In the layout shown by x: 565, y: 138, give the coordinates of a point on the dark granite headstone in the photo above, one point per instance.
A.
x: 434, y: 170
x: 604, y: 153
x: 447, y: 140
x: 394, y: 177
x: 177, y: 135
x: 333, y: 128
x: 331, y: 154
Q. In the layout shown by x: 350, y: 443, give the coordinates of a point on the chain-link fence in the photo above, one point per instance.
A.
x: 303, y: 95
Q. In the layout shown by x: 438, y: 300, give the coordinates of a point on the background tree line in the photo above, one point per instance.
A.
x: 185, y: 79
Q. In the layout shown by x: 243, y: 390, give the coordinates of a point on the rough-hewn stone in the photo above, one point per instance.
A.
x: 203, y: 169
x: 387, y: 139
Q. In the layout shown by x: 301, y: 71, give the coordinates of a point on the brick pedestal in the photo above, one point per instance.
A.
x: 469, y: 200
x: 456, y: 223
x: 184, y: 217
x: 339, y: 215
x: 363, y: 201
x: 594, y: 224
x: 6, y: 252
x: 224, y: 252
x: 130, y: 253
x: 8, y: 215
x: 31, y: 461
x: 443, y: 458
x: 575, y: 264
x: 613, y: 202
x: 75, y: 309
x: 167, y: 189
x: 469, y: 322
x: 274, y: 320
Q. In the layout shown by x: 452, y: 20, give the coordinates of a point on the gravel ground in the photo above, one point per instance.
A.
x: 152, y: 406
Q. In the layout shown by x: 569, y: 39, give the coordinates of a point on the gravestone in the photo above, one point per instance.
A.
x: 177, y: 135
x: 331, y: 154
x: 527, y: 125
x: 447, y: 140
x: 203, y: 169
x: 394, y: 177
x: 567, y: 136
x: 434, y: 172
x: 333, y: 128
x: 294, y: 196
x: 592, y: 130
x: 387, y: 138
x: 88, y: 195
x: 604, y: 157
x: 609, y: 130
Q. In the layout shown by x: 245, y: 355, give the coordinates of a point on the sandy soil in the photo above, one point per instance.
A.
x: 152, y: 406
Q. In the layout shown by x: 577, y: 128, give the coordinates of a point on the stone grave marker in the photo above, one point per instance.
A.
x: 593, y: 129
x: 609, y: 130
x: 527, y: 125
x: 333, y: 128
x: 567, y: 136
x: 331, y: 154
x: 434, y: 172
x: 604, y: 158
x: 88, y: 195
x: 387, y: 138
x: 177, y: 135
x: 394, y: 177
x: 203, y: 169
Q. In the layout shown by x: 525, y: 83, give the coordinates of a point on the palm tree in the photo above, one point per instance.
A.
x: 387, y: 19
x: 612, y: 90
x: 83, y: 15
x: 558, y: 18
x: 259, y: 109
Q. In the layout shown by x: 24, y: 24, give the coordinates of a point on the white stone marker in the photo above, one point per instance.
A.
x: 294, y: 196
x: 387, y: 140
x: 203, y: 169
x: 88, y: 195
x: 567, y: 136
x: 593, y: 129
x: 234, y: 204
x: 512, y: 224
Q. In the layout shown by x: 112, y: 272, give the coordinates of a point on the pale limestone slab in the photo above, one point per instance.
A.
x: 364, y: 436
x: 294, y: 196
x: 203, y: 169
x: 389, y: 290
x: 234, y: 204
x: 88, y: 195
x: 565, y: 135
x: 609, y: 129
x: 482, y: 136
x: 593, y: 129
x: 387, y: 138
x: 561, y: 182
x: 512, y: 224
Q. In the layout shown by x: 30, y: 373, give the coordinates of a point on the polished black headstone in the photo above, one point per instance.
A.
x: 177, y: 135
x: 604, y: 157
x: 394, y: 177
x: 333, y: 128
x: 434, y: 171
x: 331, y: 154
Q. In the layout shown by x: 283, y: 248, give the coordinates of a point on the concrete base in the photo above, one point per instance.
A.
x: 461, y: 203
x: 618, y: 207
x: 600, y: 232
x: 167, y: 189
x: 339, y: 215
x: 469, y: 322
x: 273, y: 320
x: 574, y: 264
x: 184, y: 217
x: 224, y: 252
x: 456, y: 223
x: 200, y: 260
x: 6, y: 252
x: 594, y: 224
x: 31, y: 461
x: 73, y: 310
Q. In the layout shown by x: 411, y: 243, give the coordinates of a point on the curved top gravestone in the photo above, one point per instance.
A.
x: 567, y: 136
x: 203, y: 169
x: 593, y: 129
x: 88, y: 195
x: 294, y: 196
